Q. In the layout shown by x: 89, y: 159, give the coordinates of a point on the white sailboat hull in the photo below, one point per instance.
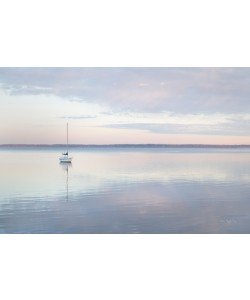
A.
x: 65, y: 159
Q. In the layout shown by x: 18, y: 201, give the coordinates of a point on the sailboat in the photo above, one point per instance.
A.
x: 65, y: 156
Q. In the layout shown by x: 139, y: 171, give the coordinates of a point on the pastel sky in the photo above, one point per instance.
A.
x: 125, y: 105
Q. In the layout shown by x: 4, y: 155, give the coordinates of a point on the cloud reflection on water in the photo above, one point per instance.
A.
x: 125, y: 192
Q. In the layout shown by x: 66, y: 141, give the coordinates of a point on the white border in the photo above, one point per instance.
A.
x: 116, y: 33
x: 124, y: 267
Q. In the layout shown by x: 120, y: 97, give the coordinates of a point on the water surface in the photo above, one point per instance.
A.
x: 125, y: 190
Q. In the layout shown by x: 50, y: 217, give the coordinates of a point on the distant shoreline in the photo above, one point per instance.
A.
x: 126, y: 146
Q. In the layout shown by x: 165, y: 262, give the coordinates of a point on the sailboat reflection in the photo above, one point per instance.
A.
x: 65, y: 166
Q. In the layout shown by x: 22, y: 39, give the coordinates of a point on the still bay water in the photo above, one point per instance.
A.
x: 125, y: 190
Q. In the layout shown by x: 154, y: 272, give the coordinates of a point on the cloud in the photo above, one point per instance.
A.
x: 179, y: 90
x: 167, y: 122
x: 78, y: 117
x: 184, y: 129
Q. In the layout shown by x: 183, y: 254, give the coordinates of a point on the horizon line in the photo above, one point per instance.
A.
x: 122, y: 145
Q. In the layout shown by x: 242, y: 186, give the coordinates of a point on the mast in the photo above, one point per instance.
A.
x: 67, y: 139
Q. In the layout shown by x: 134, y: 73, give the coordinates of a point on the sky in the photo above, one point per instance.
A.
x: 125, y: 105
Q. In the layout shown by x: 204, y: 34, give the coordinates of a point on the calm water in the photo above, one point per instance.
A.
x: 125, y: 190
